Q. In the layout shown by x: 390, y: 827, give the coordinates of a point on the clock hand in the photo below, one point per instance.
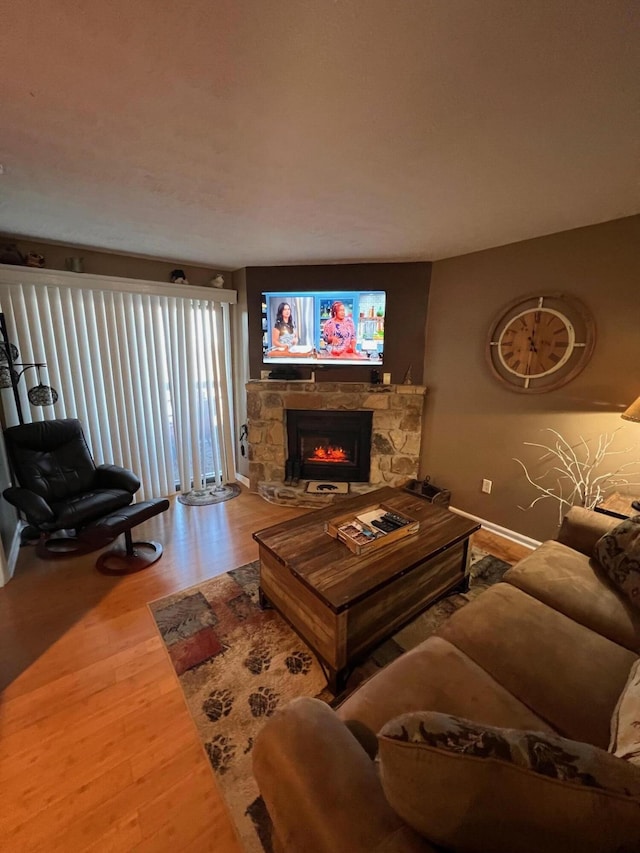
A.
x: 528, y: 365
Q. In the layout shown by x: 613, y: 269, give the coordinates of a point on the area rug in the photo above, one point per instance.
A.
x: 237, y: 664
x: 320, y: 487
x: 213, y: 495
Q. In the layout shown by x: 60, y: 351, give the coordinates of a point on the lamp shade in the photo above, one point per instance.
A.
x: 8, y: 378
x: 8, y: 348
x: 42, y: 395
x: 633, y: 412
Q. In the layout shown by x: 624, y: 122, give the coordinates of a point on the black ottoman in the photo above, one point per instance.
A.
x: 135, y: 556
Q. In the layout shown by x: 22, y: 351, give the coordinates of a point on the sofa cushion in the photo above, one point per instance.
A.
x: 625, y: 723
x: 618, y: 552
x: 476, y: 788
x: 439, y: 677
x: 577, y: 586
x: 569, y: 675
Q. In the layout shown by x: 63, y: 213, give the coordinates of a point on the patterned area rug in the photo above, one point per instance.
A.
x: 237, y: 663
x: 214, y: 495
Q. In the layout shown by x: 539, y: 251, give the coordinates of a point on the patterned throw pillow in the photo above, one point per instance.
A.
x: 474, y: 788
x: 618, y: 552
x: 625, y: 723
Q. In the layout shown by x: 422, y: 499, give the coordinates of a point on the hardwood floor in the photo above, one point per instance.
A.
x: 98, y: 750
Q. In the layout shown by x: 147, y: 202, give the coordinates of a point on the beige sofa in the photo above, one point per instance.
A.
x: 548, y: 650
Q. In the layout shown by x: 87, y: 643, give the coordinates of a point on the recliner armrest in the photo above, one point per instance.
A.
x: 321, y: 788
x: 115, y: 477
x: 36, y: 509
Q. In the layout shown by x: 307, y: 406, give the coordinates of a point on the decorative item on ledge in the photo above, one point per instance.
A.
x: 178, y: 277
x: 74, y: 264
x: 10, y: 254
x: 40, y: 394
x: 34, y: 259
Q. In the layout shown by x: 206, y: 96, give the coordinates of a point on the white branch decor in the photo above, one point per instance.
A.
x: 575, y: 475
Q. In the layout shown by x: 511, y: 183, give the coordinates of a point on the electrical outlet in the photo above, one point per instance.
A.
x: 386, y: 379
x: 487, y: 486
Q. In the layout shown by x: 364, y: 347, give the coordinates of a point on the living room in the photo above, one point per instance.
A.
x: 459, y: 159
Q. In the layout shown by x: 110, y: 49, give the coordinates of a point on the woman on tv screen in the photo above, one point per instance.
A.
x: 339, y: 332
x: 284, y: 334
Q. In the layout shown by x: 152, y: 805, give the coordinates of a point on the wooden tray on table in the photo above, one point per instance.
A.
x: 360, y: 536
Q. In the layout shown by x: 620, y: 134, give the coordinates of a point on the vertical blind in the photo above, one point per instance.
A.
x: 148, y: 376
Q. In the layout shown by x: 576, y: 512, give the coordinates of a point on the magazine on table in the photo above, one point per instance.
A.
x: 360, y: 533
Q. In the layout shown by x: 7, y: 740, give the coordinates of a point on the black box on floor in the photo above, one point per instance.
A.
x: 429, y: 492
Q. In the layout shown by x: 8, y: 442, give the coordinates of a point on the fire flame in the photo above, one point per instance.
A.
x: 329, y: 454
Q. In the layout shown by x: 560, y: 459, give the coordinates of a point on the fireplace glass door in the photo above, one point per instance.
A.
x: 331, y: 445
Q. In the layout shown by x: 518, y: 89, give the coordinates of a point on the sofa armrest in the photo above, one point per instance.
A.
x: 322, y: 790
x: 581, y: 528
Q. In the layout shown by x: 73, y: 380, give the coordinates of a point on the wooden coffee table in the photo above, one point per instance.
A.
x: 343, y: 604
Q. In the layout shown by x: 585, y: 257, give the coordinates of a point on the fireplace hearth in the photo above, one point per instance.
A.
x: 330, y: 445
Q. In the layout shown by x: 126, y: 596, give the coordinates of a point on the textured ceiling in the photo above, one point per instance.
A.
x: 243, y: 132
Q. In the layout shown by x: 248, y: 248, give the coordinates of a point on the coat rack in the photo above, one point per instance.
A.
x: 11, y: 371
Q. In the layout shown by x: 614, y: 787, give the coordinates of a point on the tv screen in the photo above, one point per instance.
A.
x: 325, y: 327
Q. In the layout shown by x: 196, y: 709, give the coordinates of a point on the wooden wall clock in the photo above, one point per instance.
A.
x: 540, y: 342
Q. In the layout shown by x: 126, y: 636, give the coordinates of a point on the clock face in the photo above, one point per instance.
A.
x: 539, y: 343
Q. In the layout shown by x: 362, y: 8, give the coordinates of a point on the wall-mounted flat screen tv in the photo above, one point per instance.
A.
x: 326, y: 327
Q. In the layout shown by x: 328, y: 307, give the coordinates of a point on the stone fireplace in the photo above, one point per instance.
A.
x: 394, y: 427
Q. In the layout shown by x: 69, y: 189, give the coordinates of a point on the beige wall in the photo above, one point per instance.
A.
x: 108, y: 263
x: 474, y: 425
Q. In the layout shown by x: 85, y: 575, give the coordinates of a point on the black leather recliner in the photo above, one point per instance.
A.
x: 60, y: 487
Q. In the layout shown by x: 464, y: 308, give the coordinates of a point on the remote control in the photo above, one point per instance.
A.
x: 394, y: 519
x: 388, y: 520
x: 382, y: 525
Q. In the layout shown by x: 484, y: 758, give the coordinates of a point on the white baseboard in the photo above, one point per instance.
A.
x: 244, y: 480
x: 520, y: 538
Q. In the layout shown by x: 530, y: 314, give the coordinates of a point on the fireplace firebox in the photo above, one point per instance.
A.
x: 331, y: 445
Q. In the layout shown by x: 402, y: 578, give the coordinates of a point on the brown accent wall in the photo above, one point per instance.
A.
x: 474, y: 426
x: 407, y: 288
